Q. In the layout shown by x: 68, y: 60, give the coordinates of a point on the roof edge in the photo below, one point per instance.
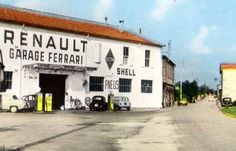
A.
x: 227, y: 66
x: 168, y: 59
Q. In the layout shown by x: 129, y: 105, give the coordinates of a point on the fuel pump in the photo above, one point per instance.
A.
x: 111, y: 102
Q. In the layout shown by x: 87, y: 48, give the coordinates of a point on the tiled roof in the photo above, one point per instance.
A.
x: 66, y: 24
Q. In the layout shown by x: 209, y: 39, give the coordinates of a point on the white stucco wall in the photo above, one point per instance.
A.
x: 136, y: 62
x: 228, y: 83
x: 94, y: 56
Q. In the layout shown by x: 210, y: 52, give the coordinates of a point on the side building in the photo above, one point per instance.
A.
x: 228, y: 80
x: 75, y: 58
x: 168, y: 68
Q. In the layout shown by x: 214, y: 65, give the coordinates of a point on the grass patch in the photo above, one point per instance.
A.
x: 229, y: 111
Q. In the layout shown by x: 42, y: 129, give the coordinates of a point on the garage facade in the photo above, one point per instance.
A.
x: 75, y: 58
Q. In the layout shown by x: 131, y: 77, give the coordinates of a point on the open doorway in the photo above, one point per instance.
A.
x: 55, y: 84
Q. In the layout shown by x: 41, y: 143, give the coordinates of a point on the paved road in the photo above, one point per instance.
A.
x: 85, y: 131
x: 202, y: 127
x: 197, y: 127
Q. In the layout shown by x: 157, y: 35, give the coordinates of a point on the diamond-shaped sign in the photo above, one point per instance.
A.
x: 110, y: 59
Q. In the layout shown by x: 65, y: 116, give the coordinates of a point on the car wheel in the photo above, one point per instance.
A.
x: 13, y: 109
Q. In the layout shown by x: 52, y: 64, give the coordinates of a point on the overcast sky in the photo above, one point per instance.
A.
x: 202, y: 32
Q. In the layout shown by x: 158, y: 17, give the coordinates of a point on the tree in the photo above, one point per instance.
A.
x: 191, y: 90
x: 177, y: 91
x: 205, y: 90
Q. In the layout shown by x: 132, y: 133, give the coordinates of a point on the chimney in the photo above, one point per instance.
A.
x: 121, y: 27
x: 106, y: 20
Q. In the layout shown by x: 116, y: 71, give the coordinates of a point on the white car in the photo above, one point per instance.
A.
x: 11, y: 102
x: 122, y: 102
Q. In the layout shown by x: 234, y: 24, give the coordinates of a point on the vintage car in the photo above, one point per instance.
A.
x: 98, y: 103
x: 226, y: 101
x: 183, y: 101
x: 11, y: 102
x: 121, y: 102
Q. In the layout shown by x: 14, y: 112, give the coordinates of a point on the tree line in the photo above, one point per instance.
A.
x: 191, y: 90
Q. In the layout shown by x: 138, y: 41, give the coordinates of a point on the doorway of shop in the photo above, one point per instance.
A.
x: 55, y: 84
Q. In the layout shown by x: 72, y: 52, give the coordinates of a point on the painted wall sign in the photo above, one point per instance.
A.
x: 125, y: 71
x: 43, y: 47
x: 41, y: 56
x: 112, y: 84
x: 110, y: 59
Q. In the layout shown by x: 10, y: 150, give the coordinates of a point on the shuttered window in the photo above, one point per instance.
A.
x: 7, y: 80
x: 96, y: 83
x: 125, y: 85
x: 146, y: 86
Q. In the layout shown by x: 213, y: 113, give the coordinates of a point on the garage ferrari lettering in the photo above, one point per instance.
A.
x: 111, y: 84
x: 41, y: 56
x: 65, y: 58
x: 125, y: 71
x: 26, y: 55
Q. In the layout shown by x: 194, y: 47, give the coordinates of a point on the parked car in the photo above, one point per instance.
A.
x: 183, y: 102
x: 30, y: 101
x: 121, y: 102
x: 11, y: 102
x: 98, y: 103
x: 227, y: 101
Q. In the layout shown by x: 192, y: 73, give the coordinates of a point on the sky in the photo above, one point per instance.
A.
x: 202, y: 32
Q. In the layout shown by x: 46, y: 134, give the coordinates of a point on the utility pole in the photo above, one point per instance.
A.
x: 181, y: 85
x: 169, y: 48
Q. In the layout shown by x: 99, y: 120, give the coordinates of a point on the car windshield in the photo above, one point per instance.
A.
x: 124, y: 99
x: 116, y: 98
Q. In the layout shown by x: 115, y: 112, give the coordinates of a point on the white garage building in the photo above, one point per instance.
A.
x: 70, y: 57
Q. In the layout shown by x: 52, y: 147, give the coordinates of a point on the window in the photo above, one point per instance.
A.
x: 125, y: 85
x: 8, y: 80
x: 147, y: 58
x: 125, y: 55
x: 146, y: 86
x: 96, y: 83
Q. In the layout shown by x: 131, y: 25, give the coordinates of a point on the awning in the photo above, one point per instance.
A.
x: 62, y: 68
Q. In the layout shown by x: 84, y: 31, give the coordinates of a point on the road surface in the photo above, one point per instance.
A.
x: 203, y: 127
x: 196, y: 127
